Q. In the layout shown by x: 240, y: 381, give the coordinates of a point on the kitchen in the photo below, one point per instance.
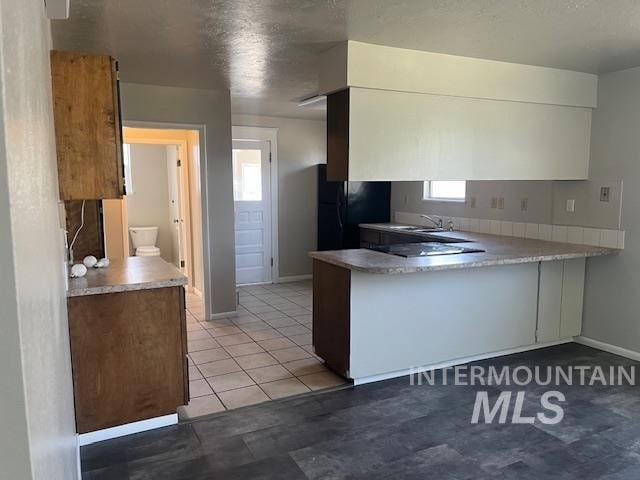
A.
x: 483, y: 215
x: 386, y: 126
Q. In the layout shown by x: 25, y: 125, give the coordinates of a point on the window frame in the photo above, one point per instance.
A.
x: 426, y: 192
x: 127, y: 174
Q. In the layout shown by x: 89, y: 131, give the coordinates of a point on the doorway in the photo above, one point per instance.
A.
x: 162, y: 178
x: 252, y: 194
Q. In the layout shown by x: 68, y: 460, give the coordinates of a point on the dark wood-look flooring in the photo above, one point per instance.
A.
x: 391, y: 430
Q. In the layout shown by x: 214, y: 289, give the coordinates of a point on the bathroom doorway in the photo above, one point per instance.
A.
x: 161, y: 213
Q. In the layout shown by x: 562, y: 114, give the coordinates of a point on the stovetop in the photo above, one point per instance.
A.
x: 424, y: 249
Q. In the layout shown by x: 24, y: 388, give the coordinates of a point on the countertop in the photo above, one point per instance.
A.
x: 499, y: 250
x: 132, y: 273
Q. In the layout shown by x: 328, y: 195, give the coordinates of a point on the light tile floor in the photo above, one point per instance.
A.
x: 262, y: 353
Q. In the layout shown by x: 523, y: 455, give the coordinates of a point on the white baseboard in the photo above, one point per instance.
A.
x: 457, y: 361
x: 127, y: 429
x: 293, y: 278
x: 607, y: 347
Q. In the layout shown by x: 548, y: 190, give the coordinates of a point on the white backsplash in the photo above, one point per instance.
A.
x: 553, y: 233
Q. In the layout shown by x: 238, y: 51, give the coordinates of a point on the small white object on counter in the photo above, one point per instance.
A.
x: 102, y: 263
x: 90, y: 261
x: 78, y: 270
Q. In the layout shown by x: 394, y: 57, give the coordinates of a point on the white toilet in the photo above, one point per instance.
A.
x: 144, y: 241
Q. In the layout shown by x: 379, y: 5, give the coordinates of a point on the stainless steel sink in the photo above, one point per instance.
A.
x: 401, y: 227
x: 428, y: 230
x: 413, y: 228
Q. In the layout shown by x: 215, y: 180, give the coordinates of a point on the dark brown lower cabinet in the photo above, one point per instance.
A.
x: 331, y: 315
x: 128, y: 353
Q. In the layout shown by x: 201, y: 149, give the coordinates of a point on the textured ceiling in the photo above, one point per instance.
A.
x: 266, y: 51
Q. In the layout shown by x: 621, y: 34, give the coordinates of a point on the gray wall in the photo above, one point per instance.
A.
x: 301, y: 146
x: 546, y: 201
x: 407, y: 197
x: 210, y: 109
x: 612, y: 290
x: 37, y: 433
x: 149, y: 204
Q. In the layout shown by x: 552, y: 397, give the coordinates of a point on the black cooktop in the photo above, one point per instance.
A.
x: 424, y: 249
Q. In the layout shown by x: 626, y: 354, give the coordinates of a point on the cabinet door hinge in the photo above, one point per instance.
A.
x: 272, y: 261
x: 270, y: 157
x: 181, y: 263
x: 179, y: 162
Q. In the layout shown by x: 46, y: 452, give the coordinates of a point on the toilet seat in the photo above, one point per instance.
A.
x: 147, y: 252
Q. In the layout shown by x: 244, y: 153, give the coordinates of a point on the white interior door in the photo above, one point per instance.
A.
x: 175, y: 211
x: 252, y: 201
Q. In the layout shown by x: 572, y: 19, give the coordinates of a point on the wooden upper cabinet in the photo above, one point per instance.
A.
x: 88, y: 126
x: 338, y: 136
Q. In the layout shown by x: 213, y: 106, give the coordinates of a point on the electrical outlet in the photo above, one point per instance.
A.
x: 494, y: 202
x: 501, y: 203
x: 571, y: 205
x: 604, y: 194
x: 524, y: 204
x: 472, y: 202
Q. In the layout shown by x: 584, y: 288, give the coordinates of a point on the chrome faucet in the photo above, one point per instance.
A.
x: 437, y: 223
x: 450, y: 225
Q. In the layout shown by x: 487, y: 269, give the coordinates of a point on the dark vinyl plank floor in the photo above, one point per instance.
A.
x: 392, y: 430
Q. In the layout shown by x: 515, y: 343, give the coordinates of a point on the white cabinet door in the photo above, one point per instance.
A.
x: 549, y: 301
x: 252, y: 201
x: 572, y: 297
x: 560, y: 298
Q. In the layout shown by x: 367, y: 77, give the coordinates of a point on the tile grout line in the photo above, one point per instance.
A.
x: 248, y: 302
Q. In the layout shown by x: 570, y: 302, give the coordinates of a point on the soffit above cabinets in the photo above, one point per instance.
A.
x: 403, y: 136
x: 397, y: 114
x: 357, y: 64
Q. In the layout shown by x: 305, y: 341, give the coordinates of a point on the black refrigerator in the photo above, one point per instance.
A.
x: 342, y: 206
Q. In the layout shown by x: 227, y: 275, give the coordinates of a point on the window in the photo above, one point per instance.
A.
x: 445, y: 191
x: 247, y: 175
x: 126, y: 160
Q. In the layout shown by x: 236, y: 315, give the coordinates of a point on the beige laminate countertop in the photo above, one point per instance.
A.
x: 499, y: 250
x: 132, y: 273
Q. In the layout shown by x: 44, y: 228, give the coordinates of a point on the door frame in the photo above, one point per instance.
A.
x: 160, y: 138
x: 269, y: 134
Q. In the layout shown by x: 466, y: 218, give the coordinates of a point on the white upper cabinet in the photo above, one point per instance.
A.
x: 410, y: 115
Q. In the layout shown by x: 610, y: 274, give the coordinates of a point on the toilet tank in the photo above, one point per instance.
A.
x: 143, y: 236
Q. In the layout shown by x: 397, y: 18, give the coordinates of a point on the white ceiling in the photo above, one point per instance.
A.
x: 266, y: 51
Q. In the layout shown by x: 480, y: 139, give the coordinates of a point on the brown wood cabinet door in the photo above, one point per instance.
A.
x: 185, y: 350
x: 338, y: 136
x: 127, y: 354
x: 87, y: 125
x: 332, y: 315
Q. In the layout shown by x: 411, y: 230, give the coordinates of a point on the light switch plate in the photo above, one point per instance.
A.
x: 494, y: 202
x: 524, y: 204
x: 571, y: 205
x: 472, y: 202
x: 501, y: 203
